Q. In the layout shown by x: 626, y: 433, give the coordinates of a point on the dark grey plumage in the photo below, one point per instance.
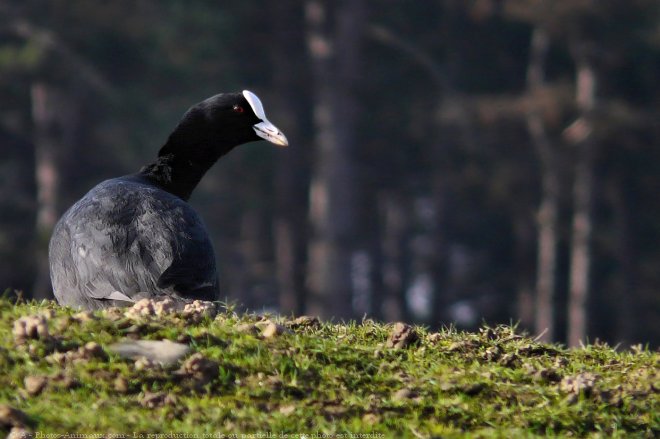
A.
x: 136, y: 236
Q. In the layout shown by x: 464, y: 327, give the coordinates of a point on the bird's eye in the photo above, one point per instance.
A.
x: 238, y: 109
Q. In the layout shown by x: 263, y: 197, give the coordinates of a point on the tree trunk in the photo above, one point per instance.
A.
x: 54, y: 122
x: 580, y: 247
x: 335, y: 52
x: 547, y: 220
x: 368, y: 286
x: 395, y: 270
x: 439, y: 260
x: 256, y: 274
x: 624, y: 204
x: 580, y: 132
x: 524, y: 229
x: 291, y: 182
x: 548, y: 212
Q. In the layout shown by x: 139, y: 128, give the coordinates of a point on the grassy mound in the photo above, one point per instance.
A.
x: 248, y: 377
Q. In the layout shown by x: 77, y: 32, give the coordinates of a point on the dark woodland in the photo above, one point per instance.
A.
x: 451, y: 162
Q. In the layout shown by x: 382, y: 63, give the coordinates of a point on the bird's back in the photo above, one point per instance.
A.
x: 127, y: 237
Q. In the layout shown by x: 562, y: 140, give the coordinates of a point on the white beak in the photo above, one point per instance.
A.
x: 264, y: 129
x: 270, y: 132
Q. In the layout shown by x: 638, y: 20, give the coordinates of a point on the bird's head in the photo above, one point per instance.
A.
x: 224, y: 121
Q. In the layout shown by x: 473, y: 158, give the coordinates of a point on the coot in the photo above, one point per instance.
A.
x: 135, y: 236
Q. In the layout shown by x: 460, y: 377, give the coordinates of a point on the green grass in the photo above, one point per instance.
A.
x: 327, y: 379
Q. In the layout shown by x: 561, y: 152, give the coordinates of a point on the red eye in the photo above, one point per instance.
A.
x: 238, y: 109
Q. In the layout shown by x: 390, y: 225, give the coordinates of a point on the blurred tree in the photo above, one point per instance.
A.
x: 55, y: 123
x: 581, y: 134
x: 290, y: 100
x: 585, y: 30
x: 548, y: 212
x: 334, y: 42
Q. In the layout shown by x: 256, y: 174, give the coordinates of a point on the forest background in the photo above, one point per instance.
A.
x: 451, y: 162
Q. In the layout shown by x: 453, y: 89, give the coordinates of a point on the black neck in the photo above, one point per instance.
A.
x: 179, y: 167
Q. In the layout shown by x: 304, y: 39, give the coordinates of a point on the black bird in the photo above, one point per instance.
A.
x: 135, y: 236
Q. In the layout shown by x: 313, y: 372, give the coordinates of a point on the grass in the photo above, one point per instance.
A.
x: 319, y: 380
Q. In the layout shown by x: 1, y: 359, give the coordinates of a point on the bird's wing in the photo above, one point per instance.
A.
x: 192, y: 272
x: 122, y: 243
x: 107, y: 252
